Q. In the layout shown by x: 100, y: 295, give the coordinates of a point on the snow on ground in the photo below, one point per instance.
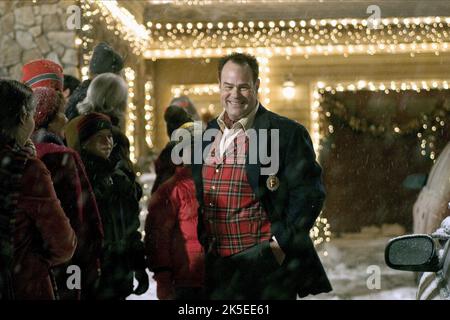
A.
x: 151, y: 292
x: 353, y: 261
x: 349, y: 263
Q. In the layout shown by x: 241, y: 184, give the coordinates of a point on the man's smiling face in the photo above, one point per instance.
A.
x: 238, y: 91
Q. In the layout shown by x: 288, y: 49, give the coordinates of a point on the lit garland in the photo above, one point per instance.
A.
x: 131, y: 116
x: 417, y: 85
x: 148, y: 108
x: 299, y: 37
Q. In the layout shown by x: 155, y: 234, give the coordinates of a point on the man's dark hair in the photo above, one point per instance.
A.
x: 71, y: 83
x: 241, y: 59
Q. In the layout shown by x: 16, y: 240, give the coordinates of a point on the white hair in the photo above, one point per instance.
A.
x: 107, y: 94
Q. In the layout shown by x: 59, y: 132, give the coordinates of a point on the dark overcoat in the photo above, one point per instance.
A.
x: 292, y: 206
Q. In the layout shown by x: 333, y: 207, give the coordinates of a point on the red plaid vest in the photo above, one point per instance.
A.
x: 234, y: 219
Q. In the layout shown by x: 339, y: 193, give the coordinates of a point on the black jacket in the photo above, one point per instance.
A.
x: 294, y: 206
x: 118, y: 201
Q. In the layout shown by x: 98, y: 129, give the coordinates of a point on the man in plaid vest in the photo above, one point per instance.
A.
x: 253, y: 222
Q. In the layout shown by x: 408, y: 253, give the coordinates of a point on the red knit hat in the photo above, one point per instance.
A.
x: 48, y: 103
x: 92, y: 123
x: 43, y: 73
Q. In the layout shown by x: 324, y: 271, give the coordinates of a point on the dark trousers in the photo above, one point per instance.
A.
x: 253, y: 274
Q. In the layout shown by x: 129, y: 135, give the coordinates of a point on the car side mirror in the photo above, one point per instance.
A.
x: 412, y: 253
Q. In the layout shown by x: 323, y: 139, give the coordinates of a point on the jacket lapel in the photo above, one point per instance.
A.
x: 197, y: 168
x: 253, y: 171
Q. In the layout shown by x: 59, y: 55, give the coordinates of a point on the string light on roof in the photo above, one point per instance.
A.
x: 119, y: 20
x: 395, y: 35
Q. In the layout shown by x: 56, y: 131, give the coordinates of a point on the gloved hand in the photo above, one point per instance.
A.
x: 164, y: 286
x: 142, y: 278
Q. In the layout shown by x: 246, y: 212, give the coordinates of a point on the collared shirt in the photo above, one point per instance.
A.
x: 234, y: 218
x: 229, y: 134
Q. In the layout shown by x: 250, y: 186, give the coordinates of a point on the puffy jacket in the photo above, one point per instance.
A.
x: 78, y: 201
x: 171, y: 241
x: 43, y: 236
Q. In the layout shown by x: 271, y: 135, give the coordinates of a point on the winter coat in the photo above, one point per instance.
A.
x: 431, y: 206
x: 292, y: 206
x: 120, y: 152
x: 118, y: 201
x: 42, y: 235
x: 77, y: 96
x: 171, y: 232
x: 74, y: 190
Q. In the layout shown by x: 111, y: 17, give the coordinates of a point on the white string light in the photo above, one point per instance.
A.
x: 124, y: 22
x: 196, y: 89
x: 131, y: 118
x: 301, y: 37
x: 148, y: 108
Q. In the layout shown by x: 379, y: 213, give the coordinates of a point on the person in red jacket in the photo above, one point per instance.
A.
x: 175, y: 116
x: 173, y: 251
x: 35, y: 234
x: 73, y: 189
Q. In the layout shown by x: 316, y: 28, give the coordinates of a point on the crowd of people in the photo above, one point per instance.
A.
x: 69, y: 197
x: 220, y: 229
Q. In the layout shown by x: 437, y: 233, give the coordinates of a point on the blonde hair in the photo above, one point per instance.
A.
x: 107, y: 94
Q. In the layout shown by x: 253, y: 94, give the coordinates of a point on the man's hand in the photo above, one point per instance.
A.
x: 277, y: 251
x: 142, y: 278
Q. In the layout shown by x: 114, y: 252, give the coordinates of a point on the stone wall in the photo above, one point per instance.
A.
x: 31, y: 31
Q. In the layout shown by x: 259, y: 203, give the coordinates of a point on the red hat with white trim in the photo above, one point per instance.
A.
x: 43, y: 73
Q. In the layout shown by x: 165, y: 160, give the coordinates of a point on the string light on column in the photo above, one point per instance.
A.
x: 131, y: 115
x: 85, y: 41
x: 148, y: 108
x: 315, y: 105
